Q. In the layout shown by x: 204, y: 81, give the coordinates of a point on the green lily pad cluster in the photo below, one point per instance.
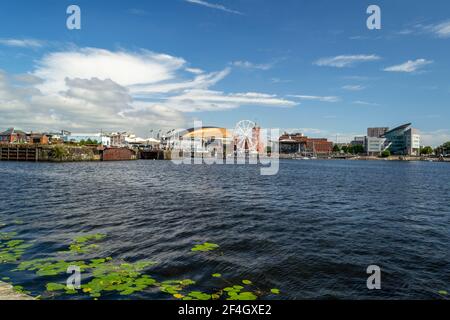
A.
x: 174, y: 287
x: 236, y: 293
x: 50, y: 266
x: 11, y: 250
x: 205, y: 247
x: 106, y: 275
x: 86, y: 243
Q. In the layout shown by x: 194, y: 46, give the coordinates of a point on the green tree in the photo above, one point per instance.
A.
x: 357, y: 149
x: 336, y: 148
x: 345, y: 149
x: 386, y: 154
x: 426, y: 150
x: 446, y: 147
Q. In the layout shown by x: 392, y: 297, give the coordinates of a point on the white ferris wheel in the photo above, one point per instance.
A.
x: 243, y: 137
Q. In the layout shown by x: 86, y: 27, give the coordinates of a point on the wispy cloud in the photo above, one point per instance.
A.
x: 435, y: 138
x: 442, y: 30
x: 250, y: 65
x: 365, y: 103
x: 22, y: 43
x: 315, y: 98
x: 356, y: 87
x: 194, y: 70
x: 409, y: 66
x: 214, y: 6
x: 439, y: 29
x: 343, y: 61
x: 278, y: 80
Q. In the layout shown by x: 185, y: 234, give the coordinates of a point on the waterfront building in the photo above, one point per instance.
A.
x: 38, y: 138
x: 298, y: 143
x: 118, y: 139
x: 403, y: 140
x: 375, y: 145
x: 199, y: 140
x: 293, y: 143
x: 358, y: 141
x: 376, y: 132
x: 12, y: 136
x: 79, y: 137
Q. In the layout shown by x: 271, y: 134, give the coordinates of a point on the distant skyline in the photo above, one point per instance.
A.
x: 307, y: 66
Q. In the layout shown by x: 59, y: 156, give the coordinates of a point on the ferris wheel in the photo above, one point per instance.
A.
x: 243, y: 136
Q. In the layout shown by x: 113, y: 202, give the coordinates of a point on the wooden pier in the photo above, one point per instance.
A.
x: 19, y: 153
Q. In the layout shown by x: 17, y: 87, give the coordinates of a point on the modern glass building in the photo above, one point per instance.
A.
x: 403, y: 140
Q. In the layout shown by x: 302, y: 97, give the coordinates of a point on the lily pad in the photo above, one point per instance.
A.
x: 207, y: 246
x: 275, y: 291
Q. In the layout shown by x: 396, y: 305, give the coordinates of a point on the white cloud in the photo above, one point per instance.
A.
x: 90, y: 89
x: 345, y: 60
x: 213, y: 6
x: 441, y: 30
x: 125, y: 68
x: 356, y: 87
x: 194, y: 70
x: 316, y: 98
x: 22, y: 43
x: 365, y: 103
x: 409, y: 66
x: 207, y: 100
x: 250, y: 65
x: 278, y: 80
x: 435, y: 138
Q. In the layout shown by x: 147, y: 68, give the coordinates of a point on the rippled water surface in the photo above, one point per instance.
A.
x: 311, y: 231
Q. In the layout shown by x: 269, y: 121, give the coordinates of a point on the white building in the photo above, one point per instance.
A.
x: 374, y: 145
x: 413, y: 141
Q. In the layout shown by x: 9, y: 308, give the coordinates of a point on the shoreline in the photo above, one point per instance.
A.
x: 7, y: 292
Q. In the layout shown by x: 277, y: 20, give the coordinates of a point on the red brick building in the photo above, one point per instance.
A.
x: 38, y: 138
x: 298, y: 143
x: 12, y: 135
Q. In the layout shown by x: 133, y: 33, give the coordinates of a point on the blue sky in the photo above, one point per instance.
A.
x: 290, y: 64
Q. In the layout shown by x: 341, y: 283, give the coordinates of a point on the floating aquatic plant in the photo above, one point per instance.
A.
x: 86, y: 243
x: 21, y: 290
x: 205, y: 247
x: 235, y: 293
x: 106, y: 275
x: 11, y: 250
x: 124, y: 278
x: 275, y: 291
x: 7, y: 235
x: 50, y: 266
